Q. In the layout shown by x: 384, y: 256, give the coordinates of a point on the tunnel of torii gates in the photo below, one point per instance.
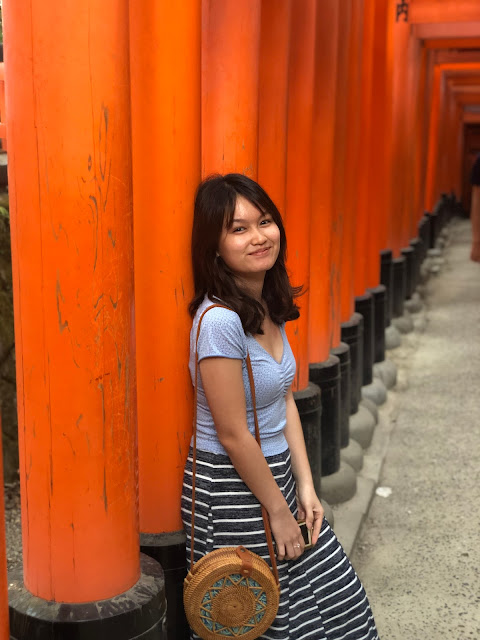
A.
x: 349, y: 113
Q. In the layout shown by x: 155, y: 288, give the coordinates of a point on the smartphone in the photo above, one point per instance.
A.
x: 306, y: 533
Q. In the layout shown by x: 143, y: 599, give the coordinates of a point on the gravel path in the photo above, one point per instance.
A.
x: 13, y: 525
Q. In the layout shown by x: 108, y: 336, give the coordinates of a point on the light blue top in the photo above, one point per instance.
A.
x: 222, y: 335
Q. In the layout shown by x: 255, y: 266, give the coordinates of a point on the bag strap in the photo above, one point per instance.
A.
x: 266, y: 522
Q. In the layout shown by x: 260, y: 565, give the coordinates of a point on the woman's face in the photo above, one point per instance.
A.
x: 252, y: 243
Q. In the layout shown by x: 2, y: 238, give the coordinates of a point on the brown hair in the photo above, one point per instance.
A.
x: 215, y: 202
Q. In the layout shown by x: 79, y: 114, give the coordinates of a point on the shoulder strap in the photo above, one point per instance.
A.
x: 266, y: 522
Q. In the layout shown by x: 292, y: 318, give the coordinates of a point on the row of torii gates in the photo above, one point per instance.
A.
x: 349, y: 112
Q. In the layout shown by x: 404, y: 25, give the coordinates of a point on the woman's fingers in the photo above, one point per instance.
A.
x: 291, y: 550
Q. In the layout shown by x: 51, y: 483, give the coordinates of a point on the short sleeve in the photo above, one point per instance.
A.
x: 221, y: 335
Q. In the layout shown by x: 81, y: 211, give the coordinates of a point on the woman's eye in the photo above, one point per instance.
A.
x: 235, y: 229
x: 266, y: 221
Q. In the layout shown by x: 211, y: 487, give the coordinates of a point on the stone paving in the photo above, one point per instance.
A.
x: 418, y: 551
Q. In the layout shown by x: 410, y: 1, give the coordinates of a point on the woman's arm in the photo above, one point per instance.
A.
x: 223, y: 384
x: 309, y: 506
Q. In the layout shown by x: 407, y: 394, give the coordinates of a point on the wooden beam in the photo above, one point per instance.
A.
x: 447, y: 30
x: 452, y: 43
x: 432, y: 11
x: 449, y: 57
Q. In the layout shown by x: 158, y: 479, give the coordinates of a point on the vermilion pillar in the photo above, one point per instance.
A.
x: 72, y: 254
x: 379, y: 166
x: 352, y: 126
x: 324, y: 229
x: 165, y: 68
x: 341, y: 242
x: 363, y: 225
x: 400, y: 107
x: 230, y: 67
x: 165, y: 81
x: 298, y: 203
x: 272, y: 101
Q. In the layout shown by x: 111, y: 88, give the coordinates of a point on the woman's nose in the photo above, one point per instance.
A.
x: 258, y: 236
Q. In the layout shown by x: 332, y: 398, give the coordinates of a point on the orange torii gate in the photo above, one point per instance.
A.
x: 194, y: 88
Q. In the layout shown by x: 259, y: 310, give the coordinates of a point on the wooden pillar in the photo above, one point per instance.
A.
x: 72, y: 254
x: 165, y: 81
x: 165, y: 49
x: 432, y: 159
x: 379, y: 176
x: 230, y: 67
x: 340, y: 240
x: 363, y: 224
x: 400, y: 108
x: 352, y: 126
x: 324, y: 232
x: 273, y: 96
x: 421, y: 131
x: 410, y: 138
x: 299, y: 155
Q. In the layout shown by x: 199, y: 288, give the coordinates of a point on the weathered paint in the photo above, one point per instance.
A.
x: 299, y: 163
x: 230, y: 67
x: 324, y: 231
x: 272, y: 99
x: 70, y: 195
x: 165, y: 80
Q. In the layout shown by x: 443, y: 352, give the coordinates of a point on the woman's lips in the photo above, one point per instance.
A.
x: 260, y: 252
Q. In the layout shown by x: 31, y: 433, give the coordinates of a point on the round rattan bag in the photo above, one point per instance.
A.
x: 230, y: 593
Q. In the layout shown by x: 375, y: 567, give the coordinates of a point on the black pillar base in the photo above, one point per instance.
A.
x: 433, y: 229
x: 352, y: 334
x: 343, y: 354
x: 326, y: 375
x: 169, y: 550
x: 364, y: 306
x: 379, y: 302
x: 386, y: 278
x: 424, y: 234
x: 416, y: 245
x: 309, y: 405
x: 137, y: 613
x: 398, y: 286
x: 407, y: 253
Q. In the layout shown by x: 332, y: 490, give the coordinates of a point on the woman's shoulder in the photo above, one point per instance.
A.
x: 221, y: 331
x: 218, y: 318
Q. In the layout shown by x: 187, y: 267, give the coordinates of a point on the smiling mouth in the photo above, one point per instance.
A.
x: 260, y: 252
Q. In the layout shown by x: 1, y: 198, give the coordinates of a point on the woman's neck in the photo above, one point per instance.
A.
x: 253, y: 286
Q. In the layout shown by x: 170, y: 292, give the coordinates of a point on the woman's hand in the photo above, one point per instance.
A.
x: 310, y: 509
x: 287, y: 534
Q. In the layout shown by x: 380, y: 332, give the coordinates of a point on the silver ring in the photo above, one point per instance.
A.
x: 297, y: 546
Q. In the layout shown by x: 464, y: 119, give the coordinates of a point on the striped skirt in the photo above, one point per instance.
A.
x: 321, y: 597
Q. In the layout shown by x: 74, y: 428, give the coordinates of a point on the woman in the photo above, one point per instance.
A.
x: 238, y: 254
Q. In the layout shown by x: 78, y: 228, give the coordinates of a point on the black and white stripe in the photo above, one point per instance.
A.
x: 321, y: 595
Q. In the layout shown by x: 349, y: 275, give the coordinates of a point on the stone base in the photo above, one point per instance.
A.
x: 169, y: 550
x: 339, y: 486
x: 352, y: 455
x: 140, y: 612
x: 370, y: 406
x: 404, y: 324
x: 415, y: 304
x: 393, y: 339
x: 386, y: 371
x: 362, y: 426
x: 376, y: 392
